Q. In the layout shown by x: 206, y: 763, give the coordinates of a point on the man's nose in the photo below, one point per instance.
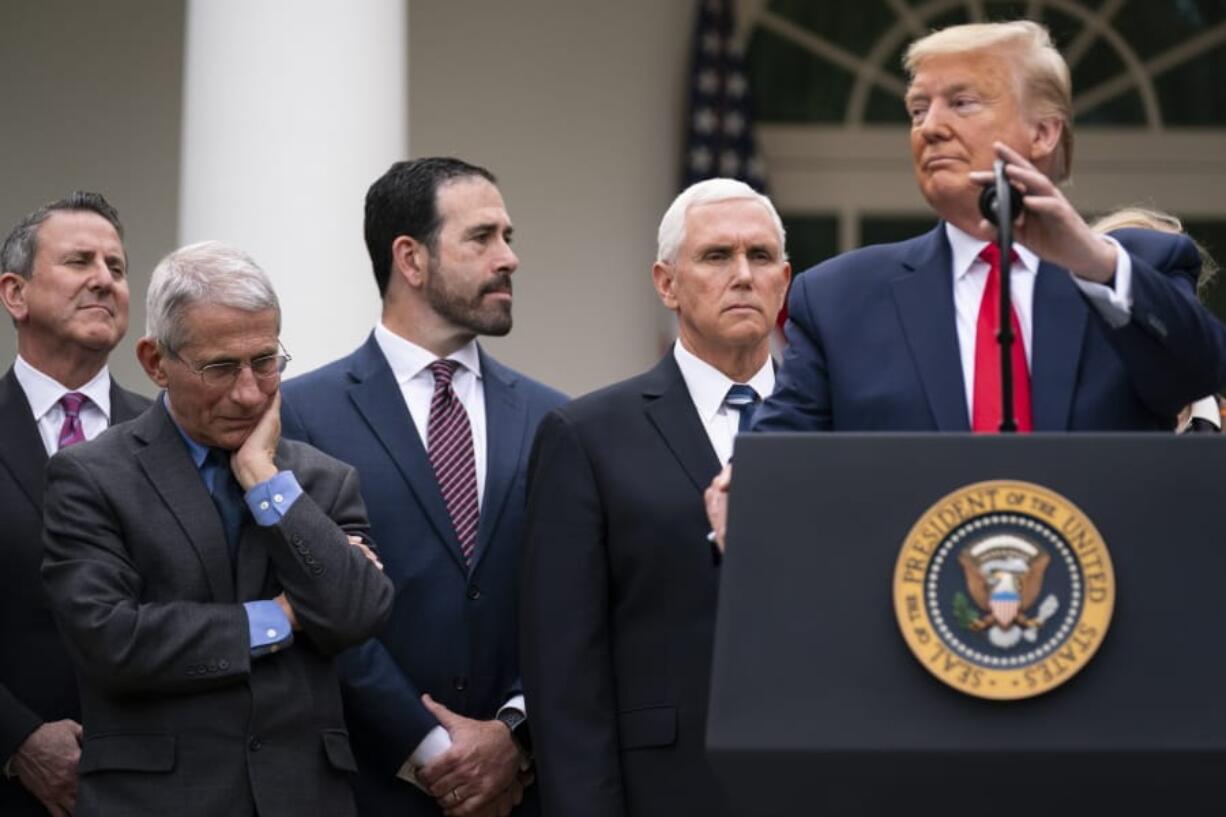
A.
x: 508, y: 262
x: 101, y: 278
x: 935, y: 124
x: 742, y: 270
x: 246, y: 388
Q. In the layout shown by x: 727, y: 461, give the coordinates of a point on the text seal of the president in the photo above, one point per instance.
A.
x: 1004, y: 589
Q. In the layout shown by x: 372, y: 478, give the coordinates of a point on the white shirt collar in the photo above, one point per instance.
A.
x: 408, y: 360
x: 709, y: 386
x: 966, y: 249
x: 43, y: 391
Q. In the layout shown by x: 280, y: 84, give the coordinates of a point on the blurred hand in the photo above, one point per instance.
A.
x: 716, y: 499
x: 254, y: 461
x: 283, y: 602
x: 46, y: 764
x: 1048, y: 225
x: 366, y: 550
x: 477, y: 776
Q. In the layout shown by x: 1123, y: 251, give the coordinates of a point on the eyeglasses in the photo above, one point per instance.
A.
x: 225, y: 373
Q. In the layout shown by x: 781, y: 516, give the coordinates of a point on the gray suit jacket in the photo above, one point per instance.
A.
x: 178, y: 717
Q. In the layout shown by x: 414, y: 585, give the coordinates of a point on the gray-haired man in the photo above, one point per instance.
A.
x: 63, y: 281
x: 200, y: 571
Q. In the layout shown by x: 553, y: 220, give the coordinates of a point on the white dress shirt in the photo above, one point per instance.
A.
x: 410, y: 365
x: 970, y: 273
x: 43, y: 394
x: 708, y: 387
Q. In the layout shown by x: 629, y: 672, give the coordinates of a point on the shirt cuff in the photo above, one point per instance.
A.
x: 1113, y: 301
x: 268, y: 627
x: 1207, y: 409
x: 271, y: 499
x: 432, y: 745
x: 515, y: 702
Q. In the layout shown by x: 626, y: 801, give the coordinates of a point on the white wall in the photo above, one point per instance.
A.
x: 574, y: 104
x: 90, y: 99
x: 577, y: 108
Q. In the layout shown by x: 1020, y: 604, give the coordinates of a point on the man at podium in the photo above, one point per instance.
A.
x: 902, y: 337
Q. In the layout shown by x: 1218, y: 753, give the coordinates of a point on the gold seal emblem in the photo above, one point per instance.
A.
x: 1004, y: 590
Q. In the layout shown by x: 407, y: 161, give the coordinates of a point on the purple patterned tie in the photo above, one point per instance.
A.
x: 71, y: 431
x: 450, y: 447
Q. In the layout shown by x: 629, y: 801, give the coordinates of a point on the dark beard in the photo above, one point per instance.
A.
x: 474, y: 314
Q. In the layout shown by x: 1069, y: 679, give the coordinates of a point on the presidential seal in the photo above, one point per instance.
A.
x: 1004, y: 590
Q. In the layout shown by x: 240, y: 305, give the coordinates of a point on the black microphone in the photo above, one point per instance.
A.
x: 989, y: 207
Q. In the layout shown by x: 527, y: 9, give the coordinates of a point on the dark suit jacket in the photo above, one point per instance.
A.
x: 618, y: 603
x: 179, y: 718
x: 36, y: 678
x: 453, y: 631
x: 873, y: 345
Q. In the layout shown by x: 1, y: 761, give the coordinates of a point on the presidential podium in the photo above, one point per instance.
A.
x: 820, y: 706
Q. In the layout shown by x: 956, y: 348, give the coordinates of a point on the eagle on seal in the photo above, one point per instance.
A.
x: 1004, y: 576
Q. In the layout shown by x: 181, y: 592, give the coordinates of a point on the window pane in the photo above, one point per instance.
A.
x: 811, y: 239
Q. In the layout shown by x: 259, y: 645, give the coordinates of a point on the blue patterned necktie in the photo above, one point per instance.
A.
x: 744, y: 399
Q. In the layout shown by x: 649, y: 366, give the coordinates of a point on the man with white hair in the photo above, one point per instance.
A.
x: 617, y: 605
x: 200, y: 570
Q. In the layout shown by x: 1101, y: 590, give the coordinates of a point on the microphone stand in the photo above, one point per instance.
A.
x: 999, y: 209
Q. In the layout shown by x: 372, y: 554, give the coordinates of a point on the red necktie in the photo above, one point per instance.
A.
x: 986, y: 405
x: 449, y: 441
x: 71, y: 431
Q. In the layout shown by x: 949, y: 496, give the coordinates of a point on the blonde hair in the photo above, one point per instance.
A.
x: 1149, y: 219
x: 1046, y: 87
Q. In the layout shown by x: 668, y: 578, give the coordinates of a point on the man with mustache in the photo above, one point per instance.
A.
x: 440, y: 433
x: 200, y: 570
x: 619, y: 585
x: 64, y: 283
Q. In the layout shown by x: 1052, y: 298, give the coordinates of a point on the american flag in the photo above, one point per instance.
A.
x: 719, y: 128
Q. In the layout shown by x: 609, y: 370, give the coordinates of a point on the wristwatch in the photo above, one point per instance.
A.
x: 516, y: 721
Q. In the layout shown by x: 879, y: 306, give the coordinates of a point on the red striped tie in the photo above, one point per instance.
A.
x: 450, y: 448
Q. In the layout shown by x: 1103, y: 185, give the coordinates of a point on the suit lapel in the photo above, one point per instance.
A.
x: 670, y: 409
x: 125, y: 405
x: 377, y: 397
x: 21, y: 447
x: 924, y: 297
x: 506, y: 422
x: 169, y: 468
x: 1060, y: 315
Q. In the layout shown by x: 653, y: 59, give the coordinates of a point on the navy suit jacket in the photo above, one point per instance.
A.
x: 37, y: 683
x: 453, y: 630
x: 618, y: 603
x: 873, y: 344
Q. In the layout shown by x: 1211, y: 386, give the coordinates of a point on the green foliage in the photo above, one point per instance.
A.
x: 964, y: 612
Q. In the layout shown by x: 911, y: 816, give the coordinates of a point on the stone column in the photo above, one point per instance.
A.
x: 291, y: 109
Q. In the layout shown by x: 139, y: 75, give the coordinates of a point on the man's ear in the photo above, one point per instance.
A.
x: 410, y: 259
x: 153, y: 360
x: 1045, y: 140
x: 13, y: 294
x: 662, y: 277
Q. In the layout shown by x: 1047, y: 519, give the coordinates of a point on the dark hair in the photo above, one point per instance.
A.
x: 404, y: 201
x: 17, y: 255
